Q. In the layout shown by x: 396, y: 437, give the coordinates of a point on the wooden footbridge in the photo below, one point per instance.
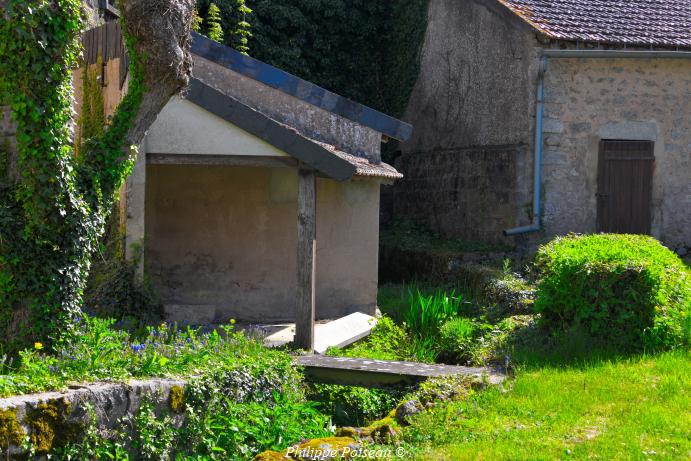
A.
x: 381, y: 373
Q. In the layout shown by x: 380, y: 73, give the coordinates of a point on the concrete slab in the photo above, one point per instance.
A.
x: 381, y: 373
x: 336, y: 333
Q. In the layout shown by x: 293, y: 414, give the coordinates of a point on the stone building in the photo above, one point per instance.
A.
x: 254, y: 192
x: 598, y: 92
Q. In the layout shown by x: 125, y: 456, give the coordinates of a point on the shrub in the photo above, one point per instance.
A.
x: 456, y: 338
x: 628, y: 289
x: 390, y: 341
x: 387, y: 341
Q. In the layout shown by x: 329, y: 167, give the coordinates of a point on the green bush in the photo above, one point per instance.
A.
x: 390, y: 341
x: 456, y: 338
x: 628, y: 289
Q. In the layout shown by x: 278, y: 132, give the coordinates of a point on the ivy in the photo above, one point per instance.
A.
x: 51, y: 219
x: 92, y: 116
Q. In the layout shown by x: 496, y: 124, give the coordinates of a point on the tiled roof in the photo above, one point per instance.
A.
x: 658, y: 23
x: 367, y: 168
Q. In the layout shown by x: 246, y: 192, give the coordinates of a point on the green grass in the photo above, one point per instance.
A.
x: 636, y: 408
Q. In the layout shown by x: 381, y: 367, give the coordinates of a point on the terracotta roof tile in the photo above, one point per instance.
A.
x: 656, y: 23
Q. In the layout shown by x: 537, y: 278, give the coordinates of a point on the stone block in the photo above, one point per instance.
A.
x: 552, y: 125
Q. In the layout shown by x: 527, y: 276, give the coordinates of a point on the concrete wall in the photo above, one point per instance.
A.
x: 590, y: 100
x: 221, y: 243
x: 182, y: 127
x: 473, y: 112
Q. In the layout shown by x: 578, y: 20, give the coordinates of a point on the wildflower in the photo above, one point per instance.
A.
x: 38, y: 346
x: 232, y: 321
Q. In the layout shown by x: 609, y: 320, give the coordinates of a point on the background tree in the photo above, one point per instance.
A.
x: 53, y: 204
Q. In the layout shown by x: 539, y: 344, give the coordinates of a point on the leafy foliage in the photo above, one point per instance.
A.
x: 355, y: 406
x: 92, y: 117
x: 628, y: 289
x: 113, y: 288
x: 213, y: 23
x: 240, y: 398
x: 52, y: 217
x: 242, y: 31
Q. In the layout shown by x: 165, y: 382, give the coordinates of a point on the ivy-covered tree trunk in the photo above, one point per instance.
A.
x: 53, y: 204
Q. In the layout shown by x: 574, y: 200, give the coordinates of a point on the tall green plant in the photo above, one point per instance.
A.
x: 425, y: 314
x: 242, y: 31
x: 213, y: 23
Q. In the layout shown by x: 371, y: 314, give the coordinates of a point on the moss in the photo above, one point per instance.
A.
x: 11, y: 432
x: 314, y: 449
x: 271, y: 456
x: 50, y: 425
x: 176, y: 399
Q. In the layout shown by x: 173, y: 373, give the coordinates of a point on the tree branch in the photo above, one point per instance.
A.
x: 158, y: 37
x: 160, y: 30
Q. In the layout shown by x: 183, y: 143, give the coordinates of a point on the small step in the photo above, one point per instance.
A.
x: 336, y: 333
x: 380, y: 373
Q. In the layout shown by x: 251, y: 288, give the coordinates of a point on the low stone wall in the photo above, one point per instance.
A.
x: 50, y: 417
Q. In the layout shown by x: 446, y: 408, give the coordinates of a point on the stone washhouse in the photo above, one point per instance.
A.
x: 255, y: 195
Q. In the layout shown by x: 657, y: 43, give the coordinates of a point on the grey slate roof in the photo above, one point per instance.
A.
x: 654, y: 23
x: 302, y: 89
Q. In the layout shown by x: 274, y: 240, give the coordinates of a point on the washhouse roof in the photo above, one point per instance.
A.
x: 299, y: 88
x: 323, y: 157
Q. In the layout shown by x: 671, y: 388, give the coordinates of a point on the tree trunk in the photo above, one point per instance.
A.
x: 53, y: 210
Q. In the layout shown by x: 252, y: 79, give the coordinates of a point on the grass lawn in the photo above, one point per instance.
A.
x: 636, y: 408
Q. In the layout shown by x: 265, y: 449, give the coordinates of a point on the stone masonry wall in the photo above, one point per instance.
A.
x: 105, y: 404
x: 468, y: 164
x: 594, y: 99
x: 460, y: 193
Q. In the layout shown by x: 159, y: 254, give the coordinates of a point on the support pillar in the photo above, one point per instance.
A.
x: 306, y: 258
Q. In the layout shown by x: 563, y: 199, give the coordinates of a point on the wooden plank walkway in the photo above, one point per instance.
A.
x: 380, y: 373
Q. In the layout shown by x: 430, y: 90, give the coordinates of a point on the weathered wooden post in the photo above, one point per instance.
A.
x: 306, y: 258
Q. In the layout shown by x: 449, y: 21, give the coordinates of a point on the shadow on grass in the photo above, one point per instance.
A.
x: 536, y: 347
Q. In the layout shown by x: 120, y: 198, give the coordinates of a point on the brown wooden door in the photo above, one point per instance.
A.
x: 625, y: 186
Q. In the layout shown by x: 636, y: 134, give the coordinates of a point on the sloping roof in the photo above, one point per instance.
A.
x: 655, y: 23
x: 302, y: 89
x: 322, y: 157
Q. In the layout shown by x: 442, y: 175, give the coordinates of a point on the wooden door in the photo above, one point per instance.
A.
x: 625, y: 186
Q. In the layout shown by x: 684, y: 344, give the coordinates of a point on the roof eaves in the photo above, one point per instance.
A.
x: 299, y: 88
x: 278, y: 135
x: 525, y: 18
